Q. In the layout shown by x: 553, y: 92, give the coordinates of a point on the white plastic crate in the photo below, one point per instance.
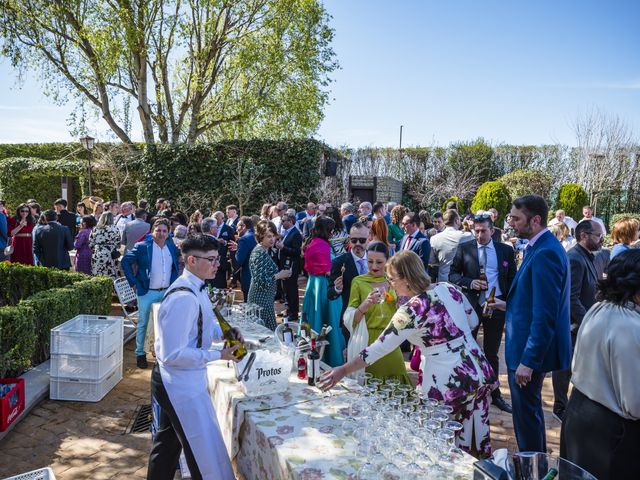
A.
x: 85, y: 366
x: 64, y: 388
x: 41, y: 474
x: 87, y: 335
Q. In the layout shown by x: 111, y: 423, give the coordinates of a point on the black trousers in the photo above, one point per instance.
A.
x: 561, y: 380
x: 290, y: 290
x: 492, y: 329
x: 598, y: 440
x: 170, y: 439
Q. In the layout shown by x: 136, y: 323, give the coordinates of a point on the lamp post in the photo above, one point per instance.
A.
x: 88, y: 143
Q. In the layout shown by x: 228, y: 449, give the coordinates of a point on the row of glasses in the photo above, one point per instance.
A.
x: 401, y: 432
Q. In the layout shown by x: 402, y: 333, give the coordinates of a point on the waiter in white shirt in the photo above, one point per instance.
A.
x: 185, y: 330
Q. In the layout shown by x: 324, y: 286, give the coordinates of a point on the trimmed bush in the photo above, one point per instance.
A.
x: 571, y: 198
x: 527, y: 182
x: 492, y: 195
x: 621, y: 216
x: 459, y: 202
x: 53, y: 297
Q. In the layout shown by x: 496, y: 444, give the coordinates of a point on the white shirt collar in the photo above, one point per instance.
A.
x: 357, y: 258
x: 533, y: 240
x: 193, y: 279
x: 488, y: 245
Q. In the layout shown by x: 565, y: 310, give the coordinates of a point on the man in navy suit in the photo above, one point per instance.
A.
x: 289, y: 251
x: 156, y: 261
x: 348, y: 218
x: 537, y: 337
x: 354, y: 263
x: 216, y: 228
x: 232, y: 217
x: 243, y: 247
x: 414, y: 239
x: 52, y: 242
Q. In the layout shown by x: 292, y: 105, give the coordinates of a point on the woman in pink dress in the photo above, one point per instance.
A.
x: 20, y: 228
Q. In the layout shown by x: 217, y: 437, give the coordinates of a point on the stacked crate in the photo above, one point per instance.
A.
x: 86, y: 358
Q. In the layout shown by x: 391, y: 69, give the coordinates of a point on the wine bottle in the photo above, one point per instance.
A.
x: 302, y: 361
x: 323, y: 334
x: 486, y: 311
x: 551, y: 474
x: 306, y: 326
x: 313, y: 364
x: 229, y: 341
x: 287, y: 333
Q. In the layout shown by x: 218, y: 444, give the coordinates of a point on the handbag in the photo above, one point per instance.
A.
x: 115, y: 254
x: 8, y: 250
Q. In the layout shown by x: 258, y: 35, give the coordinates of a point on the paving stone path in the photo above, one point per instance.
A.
x: 88, y: 440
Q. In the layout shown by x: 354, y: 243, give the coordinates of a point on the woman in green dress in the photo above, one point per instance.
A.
x: 371, y: 305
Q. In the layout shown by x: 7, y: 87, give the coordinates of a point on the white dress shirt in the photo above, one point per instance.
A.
x: 598, y: 221
x: 161, y: 261
x: 491, y: 268
x: 568, y: 221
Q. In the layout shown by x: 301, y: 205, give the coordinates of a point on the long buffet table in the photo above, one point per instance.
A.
x: 295, y: 434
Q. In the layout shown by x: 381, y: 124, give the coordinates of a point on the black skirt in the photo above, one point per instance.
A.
x: 600, y: 441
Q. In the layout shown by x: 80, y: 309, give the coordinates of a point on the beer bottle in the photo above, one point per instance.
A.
x: 486, y: 311
x: 483, y: 276
x: 229, y: 341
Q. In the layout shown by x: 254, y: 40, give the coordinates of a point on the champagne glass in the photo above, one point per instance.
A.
x: 368, y: 471
x: 440, y: 418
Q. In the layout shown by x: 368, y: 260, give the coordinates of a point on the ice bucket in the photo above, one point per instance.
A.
x: 535, y: 465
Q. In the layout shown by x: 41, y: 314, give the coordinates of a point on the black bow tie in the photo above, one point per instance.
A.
x: 203, y: 287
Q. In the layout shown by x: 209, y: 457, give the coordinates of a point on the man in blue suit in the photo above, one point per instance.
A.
x: 156, y: 261
x: 537, y: 338
x: 243, y: 248
x: 414, y: 239
x: 348, y: 218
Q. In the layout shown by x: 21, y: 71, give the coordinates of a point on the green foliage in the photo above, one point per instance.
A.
x: 571, y: 198
x: 461, y: 205
x: 527, y: 182
x: 37, y: 299
x: 475, y: 158
x: 622, y: 216
x: 492, y: 195
x: 287, y: 168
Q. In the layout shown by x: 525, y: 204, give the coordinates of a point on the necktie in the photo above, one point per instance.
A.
x: 482, y: 260
x: 406, y: 245
x: 362, y: 266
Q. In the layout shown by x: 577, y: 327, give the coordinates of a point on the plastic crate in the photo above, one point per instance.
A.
x: 41, y: 474
x: 85, y: 366
x: 87, y: 335
x: 12, y: 403
x: 64, y: 388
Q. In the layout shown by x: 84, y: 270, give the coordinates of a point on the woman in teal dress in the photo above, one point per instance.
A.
x: 264, y: 273
x: 317, y: 309
x: 372, y: 304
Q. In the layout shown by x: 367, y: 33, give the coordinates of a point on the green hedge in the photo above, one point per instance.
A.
x: 461, y: 205
x: 571, y: 198
x: 621, y: 216
x: 289, y: 168
x: 492, y: 195
x: 527, y: 182
x: 54, y: 297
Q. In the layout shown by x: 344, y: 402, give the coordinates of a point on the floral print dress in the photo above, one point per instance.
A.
x: 103, y: 241
x: 262, y: 291
x: 455, y: 371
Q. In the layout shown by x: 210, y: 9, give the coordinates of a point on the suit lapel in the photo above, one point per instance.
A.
x: 527, y: 260
x: 590, y: 265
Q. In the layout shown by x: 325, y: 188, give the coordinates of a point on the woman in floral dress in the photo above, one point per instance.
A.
x: 455, y: 371
x: 264, y: 273
x: 103, y: 240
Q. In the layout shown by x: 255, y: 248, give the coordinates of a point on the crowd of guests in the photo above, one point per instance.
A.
x: 389, y: 280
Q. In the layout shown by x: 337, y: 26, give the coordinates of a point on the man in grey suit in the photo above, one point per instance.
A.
x: 445, y: 244
x: 587, y: 268
x: 52, y: 243
x: 135, y: 230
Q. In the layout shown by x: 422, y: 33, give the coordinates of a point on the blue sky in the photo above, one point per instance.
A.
x: 509, y: 71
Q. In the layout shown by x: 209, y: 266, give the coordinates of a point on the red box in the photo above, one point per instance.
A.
x: 12, y: 404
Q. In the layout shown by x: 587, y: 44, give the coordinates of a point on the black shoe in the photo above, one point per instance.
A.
x: 502, y: 405
x: 141, y: 361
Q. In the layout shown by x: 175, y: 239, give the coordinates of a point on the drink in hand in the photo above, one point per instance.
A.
x: 486, y: 311
x: 229, y: 340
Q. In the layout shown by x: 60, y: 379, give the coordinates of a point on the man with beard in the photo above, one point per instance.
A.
x: 586, y: 270
x: 348, y: 266
x: 537, y: 337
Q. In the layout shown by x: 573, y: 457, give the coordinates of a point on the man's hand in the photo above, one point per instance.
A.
x: 233, y: 246
x: 339, y: 284
x: 235, y: 334
x: 227, y: 353
x: 478, y: 284
x: 523, y: 375
x: 279, y: 245
x: 497, y: 305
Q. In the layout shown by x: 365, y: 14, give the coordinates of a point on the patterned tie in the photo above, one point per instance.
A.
x: 406, y: 245
x: 362, y: 266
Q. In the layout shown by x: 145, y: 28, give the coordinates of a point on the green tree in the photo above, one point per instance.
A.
x: 215, y: 67
x: 476, y: 157
x: 571, y: 198
x: 492, y: 195
x: 527, y: 182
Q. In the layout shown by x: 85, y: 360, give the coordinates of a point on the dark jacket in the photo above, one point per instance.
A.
x: 419, y: 244
x: 351, y: 271
x: 68, y: 219
x: 141, y: 256
x: 246, y: 244
x: 52, y: 244
x: 585, y: 273
x: 466, y: 268
x: 292, y: 249
x: 348, y: 221
x: 226, y: 233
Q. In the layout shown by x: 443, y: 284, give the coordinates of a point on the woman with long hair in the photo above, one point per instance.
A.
x: 104, y: 239
x: 20, y: 229
x: 395, y: 227
x: 380, y: 233
x: 317, y: 309
x: 82, y: 260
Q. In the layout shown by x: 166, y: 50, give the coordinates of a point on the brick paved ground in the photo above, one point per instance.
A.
x: 87, y: 440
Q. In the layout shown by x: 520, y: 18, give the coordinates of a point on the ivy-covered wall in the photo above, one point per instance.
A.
x: 286, y: 169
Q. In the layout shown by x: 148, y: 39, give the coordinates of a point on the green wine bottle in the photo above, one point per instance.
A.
x: 229, y: 341
x: 551, y: 474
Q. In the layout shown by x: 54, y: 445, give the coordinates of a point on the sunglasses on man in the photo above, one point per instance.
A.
x: 355, y: 240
